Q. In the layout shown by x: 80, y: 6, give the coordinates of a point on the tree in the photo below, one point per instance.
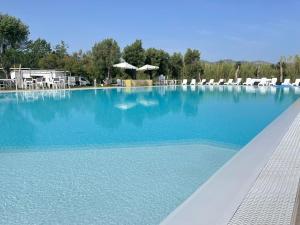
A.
x: 192, y: 64
x: 176, y: 65
x: 237, y: 69
x: 13, y: 34
x: 61, y: 49
x: 56, y: 59
x: 157, y: 57
x: 134, y: 54
x: 281, y: 65
x: 104, y: 55
x: 35, y: 50
x: 50, y: 61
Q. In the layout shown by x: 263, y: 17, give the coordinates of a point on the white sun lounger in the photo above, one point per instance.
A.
x: 286, y: 82
x: 263, y: 82
x: 273, y: 81
x: 220, y: 82
x: 296, y: 83
x: 238, y: 81
x: 184, y: 82
x: 248, y: 81
x: 193, y: 82
x: 229, y: 82
x: 202, y: 82
x: 211, y: 82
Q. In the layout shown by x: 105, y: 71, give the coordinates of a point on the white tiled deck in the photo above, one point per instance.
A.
x: 273, y: 197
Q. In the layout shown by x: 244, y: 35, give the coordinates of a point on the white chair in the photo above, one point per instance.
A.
x: 56, y: 83
x: 211, y: 82
x: 273, y: 81
x: 296, y: 83
x: 193, y: 82
x: 248, y: 81
x: 202, y: 82
x: 184, y: 82
x: 40, y: 82
x: 263, y: 82
x: 238, y: 81
x: 71, y: 81
x: 286, y: 82
x: 62, y: 82
x: 229, y: 82
x: 220, y: 82
x: 28, y: 83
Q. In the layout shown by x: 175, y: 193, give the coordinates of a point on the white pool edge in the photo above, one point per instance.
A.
x: 216, y: 201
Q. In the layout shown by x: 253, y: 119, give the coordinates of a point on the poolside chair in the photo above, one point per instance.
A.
x: 248, y: 81
x: 286, y: 82
x: 263, y: 82
x: 238, y: 81
x: 296, y: 83
x: 202, y: 82
x: 229, y: 82
x: 184, y: 82
x: 55, y: 83
x: 28, y: 83
x: 193, y: 82
x: 273, y: 81
x: 220, y: 82
x: 40, y: 82
x: 210, y: 82
x: 62, y: 82
x: 71, y: 81
x: 119, y: 82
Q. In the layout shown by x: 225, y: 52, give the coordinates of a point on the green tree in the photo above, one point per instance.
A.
x: 192, y: 64
x: 13, y: 34
x: 134, y: 54
x: 237, y: 69
x: 56, y: 59
x: 35, y: 50
x: 176, y: 65
x: 104, y: 55
x: 61, y: 49
x: 157, y: 57
x: 50, y: 61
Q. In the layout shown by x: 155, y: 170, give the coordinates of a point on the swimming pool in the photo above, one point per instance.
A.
x: 121, y: 156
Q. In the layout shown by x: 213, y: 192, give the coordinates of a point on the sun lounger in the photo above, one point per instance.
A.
x: 296, y: 83
x: 229, y: 82
x: 193, y: 82
x: 286, y: 82
x: 263, y: 82
x: 210, y: 82
x: 273, y: 81
x: 184, y: 82
x: 202, y: 82
x: 248, y: 81
x: 220, y: 82
x: 238, y: 81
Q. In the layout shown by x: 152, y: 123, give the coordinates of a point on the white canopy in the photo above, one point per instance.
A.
x: 148, y: 67
x: 125, y: 65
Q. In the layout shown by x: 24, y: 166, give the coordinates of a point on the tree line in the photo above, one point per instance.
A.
x: 17, y: 49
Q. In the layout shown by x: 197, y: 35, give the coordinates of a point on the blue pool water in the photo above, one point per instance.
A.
x: 121, y: 156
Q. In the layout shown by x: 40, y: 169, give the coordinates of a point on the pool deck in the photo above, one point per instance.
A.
x: 257, y: 186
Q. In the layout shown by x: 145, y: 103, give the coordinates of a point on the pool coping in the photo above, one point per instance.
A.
x: 217, y: 200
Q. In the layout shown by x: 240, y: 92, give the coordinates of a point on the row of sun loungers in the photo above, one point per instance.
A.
x: 248, y: 82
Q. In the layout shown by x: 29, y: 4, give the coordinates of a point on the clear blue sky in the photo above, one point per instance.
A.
x: 236, y: 29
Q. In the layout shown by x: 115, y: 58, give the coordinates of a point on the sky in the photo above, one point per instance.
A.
x: 228, y: 29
